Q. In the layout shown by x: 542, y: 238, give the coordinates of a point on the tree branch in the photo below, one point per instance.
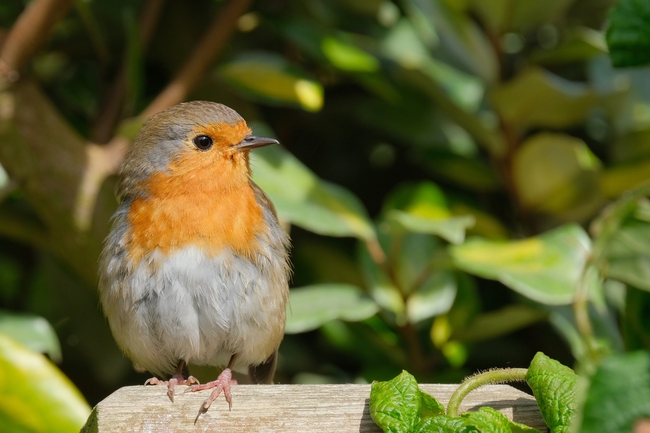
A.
x: 27, y: 35
x: 201, y: 58
x: 111, y: 110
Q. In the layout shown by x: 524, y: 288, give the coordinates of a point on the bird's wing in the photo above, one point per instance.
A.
x: 263, y: 199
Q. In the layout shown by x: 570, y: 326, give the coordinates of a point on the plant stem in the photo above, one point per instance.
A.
x: 489, y: 377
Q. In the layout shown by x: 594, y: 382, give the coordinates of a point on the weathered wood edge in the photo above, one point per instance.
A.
x: 281, y: 408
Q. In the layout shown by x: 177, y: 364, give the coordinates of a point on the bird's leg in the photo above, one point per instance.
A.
x: 176, y: 379
x: 222, y: 383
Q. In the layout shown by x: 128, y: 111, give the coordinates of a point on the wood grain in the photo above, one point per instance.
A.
x: 281, y: 408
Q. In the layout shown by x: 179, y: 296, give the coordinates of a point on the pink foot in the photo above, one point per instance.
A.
x: 223, y: 383
x: 176, y: 379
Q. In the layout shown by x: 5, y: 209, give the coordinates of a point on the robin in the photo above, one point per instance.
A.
x: 195, y: 268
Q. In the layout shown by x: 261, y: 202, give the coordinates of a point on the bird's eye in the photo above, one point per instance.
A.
x: 203, y: 142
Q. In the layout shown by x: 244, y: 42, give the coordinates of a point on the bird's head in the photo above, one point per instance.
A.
x: 196, y: 141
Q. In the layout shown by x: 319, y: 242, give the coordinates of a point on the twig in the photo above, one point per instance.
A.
x: 201, y: 58
x: 111, y: 111
x: 28, y: 34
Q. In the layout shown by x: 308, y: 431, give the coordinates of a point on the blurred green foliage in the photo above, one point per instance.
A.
x: 455, y: 172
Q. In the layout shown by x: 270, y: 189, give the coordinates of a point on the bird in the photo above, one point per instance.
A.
x: 195, y: 268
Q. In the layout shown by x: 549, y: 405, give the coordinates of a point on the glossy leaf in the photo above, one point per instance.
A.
x: 489, y: 420
x: 311, y: 306
x: 270, y: 78
x: 443, y: 424
x: 618, y: 394
x: 554, y: 386
x: 34, y: 395
x: 306, y: 200
x: 399, y: 405
x: 627, y: 35
x: 546, y: 268
x: 435, y: 296
x: 34, y: 332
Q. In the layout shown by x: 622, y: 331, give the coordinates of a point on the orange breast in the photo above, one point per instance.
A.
x: 204, y: 201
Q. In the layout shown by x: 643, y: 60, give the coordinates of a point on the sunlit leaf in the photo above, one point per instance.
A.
x: 451, y: 229
x: 305, y: 200
x: 34, y: 395
x: 348, y: 57
x: 435, y: 296
x: 270, y: 78
x: 555, y: 389
x: 311, y: 306
x: 33, y: 332
x: 546, y: 268
x: 556, y: 172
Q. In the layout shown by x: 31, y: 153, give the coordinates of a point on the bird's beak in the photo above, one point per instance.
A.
x: 252, y: 141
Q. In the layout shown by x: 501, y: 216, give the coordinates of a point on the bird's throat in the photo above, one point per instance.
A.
x: 206, y: 209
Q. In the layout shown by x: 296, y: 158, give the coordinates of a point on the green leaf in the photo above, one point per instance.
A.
x: 399, y: 404
x: 581, y: 45
x: 536, y: 97
x: 554, y: 387
x: 433, y: 297
x: 33, y: 332
x: 268, y: 77
x: 421, y: 274
x: 488, y: 420
x: 443, y: 424
x: 494, y: 324
x: 503, y: 16
x: 636, y: 326
x: 459, y: 35
x: 307, y: 201
x: 555, y: 173
x: 618, y: 394
x: 422, y: 208
x: 34, y: 395
x: 311, y: 306
x: 348, y: 57
x: 382, y: 289
x: 628, y: 34
x: 394, y: 405
x: 628, y: 253
x: 451, y: 229
x: 546, y: 268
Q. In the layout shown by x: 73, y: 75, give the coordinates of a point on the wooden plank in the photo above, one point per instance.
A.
x: 280, y: 408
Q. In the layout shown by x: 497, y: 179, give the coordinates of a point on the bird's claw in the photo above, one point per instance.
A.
x: 221, y: 384
x: 171, y: 383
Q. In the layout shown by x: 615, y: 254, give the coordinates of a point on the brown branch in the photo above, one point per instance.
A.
x: 111, y: 111
x: 201, y: 58
x: 27, y: 35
